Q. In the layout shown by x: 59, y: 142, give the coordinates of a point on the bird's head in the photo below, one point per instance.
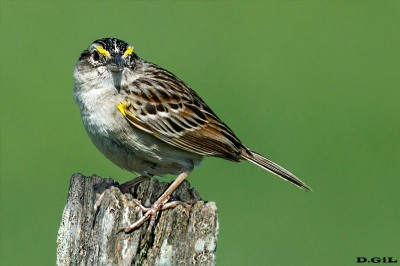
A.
x: 104, y: 61
x: 112, y: 53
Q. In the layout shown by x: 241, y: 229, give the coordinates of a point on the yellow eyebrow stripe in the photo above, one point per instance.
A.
x: 128, y: 51
x: 102, y: 50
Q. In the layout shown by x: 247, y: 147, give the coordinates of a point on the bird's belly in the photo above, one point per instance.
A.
x: 135, y: 150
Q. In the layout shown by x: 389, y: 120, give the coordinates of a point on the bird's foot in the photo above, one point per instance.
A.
x: 160, y: 204
x: 151, y: 213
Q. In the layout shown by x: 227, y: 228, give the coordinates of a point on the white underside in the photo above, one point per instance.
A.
x: 124, y: 144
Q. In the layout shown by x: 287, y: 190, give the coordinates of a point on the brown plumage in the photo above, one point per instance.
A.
x: 146, y: 120
x: 166, y: 107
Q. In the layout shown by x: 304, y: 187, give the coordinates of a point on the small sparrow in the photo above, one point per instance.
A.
x: 146, y: 120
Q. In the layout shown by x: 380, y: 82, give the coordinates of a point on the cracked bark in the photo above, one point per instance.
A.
x: 180, y: 237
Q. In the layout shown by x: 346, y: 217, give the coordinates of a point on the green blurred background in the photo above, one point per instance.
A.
x: 312, y: 85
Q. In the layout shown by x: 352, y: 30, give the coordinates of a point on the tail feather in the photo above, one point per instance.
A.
x: 269, y: 165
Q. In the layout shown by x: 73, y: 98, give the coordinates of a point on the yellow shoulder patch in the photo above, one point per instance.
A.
x: 132, y: 119
x: 121, y: 108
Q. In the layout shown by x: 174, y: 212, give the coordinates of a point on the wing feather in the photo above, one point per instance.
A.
x: 164, y: 106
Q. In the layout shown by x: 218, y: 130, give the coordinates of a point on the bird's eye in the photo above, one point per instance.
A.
x: 96, y: 56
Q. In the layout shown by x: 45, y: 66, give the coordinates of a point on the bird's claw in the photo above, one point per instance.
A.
x: 151, y: 213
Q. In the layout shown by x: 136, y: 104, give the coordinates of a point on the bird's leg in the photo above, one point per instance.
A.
x: 124, y: 188
x: 160, y: 204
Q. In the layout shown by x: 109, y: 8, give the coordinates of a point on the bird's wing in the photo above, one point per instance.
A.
x: 164, y: 106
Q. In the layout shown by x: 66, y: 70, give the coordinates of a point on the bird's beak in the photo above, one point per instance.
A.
x: 116, y: 64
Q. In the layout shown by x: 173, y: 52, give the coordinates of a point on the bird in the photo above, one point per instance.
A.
x: 146, y: 120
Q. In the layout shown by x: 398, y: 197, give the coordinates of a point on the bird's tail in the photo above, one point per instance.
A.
x: 269, y: 165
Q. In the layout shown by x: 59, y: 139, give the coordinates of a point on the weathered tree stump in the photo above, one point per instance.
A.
x: 181, y: 236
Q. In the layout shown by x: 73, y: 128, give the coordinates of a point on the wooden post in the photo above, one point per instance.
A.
x: 87, y: 236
